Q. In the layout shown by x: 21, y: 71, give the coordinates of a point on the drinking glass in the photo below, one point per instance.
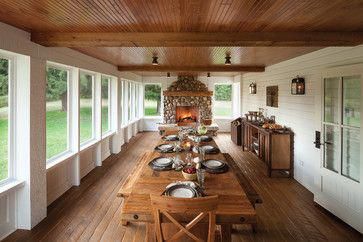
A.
x: 189, y: 158
x: 202, y: 153
x: 201, y: 177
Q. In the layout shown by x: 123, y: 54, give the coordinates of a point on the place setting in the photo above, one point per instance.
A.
x: 207, y: 149
x: 171, y: 137
x: 161, y: 163
x: 214, y: 166
x: 165, y: 148
x: 183, y: 189
x: 201, y: 138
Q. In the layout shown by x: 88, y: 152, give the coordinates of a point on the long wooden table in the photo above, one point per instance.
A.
x: 234, y: 206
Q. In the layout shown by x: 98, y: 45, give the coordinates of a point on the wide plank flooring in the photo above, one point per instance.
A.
x: 91, y: 211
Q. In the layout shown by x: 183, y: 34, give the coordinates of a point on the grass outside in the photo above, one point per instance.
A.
x: 222, y: 109
x: 151, y: 108
x: 56, y: 139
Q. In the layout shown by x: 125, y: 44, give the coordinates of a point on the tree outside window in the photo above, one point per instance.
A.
x: 152, y: 101
x: 222, y: 106
x: 56, y: 111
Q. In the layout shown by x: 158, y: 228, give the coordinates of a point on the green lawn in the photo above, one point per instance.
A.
x: 222, y: 108
x: 56, y: 139
x: 151, y: 108
x: 3, y: 148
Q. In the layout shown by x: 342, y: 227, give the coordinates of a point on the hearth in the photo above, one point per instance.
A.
x: 186, y: 115
x: 191, y: 94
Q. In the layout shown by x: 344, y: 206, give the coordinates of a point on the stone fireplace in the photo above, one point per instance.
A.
x: 187, y: 101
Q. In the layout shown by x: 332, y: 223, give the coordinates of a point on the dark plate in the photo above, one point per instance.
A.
x: 181, y: 191
x: 205, y: 138
x: 171, y: 137
x: 213, y: 164
x: 215, y: 150
x: 167, y: 150
x: 162, y: 161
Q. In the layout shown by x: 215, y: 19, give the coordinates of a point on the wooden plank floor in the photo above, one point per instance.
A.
x: 91, y: 211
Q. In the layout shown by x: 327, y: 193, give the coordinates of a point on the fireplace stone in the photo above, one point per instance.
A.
x: 187, y: 92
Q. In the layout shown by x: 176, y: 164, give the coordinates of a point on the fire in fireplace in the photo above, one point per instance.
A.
x: 187, y: 115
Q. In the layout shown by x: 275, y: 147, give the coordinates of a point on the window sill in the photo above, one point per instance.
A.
x: 10, y: 186
x: 152, y: 117
x: 223, y: 118
x: 108, y: 134
x: 88, y: 144
x: 58, y: 160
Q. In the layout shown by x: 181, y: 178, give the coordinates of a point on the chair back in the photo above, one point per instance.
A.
x: 203, y: 206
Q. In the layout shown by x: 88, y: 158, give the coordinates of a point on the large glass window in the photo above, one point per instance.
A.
x: 4, y: 117
x: 152, y: 99
x: 222, y: 106
x: 105, y: 92
x: 86, y: 110
x: 57, y: 110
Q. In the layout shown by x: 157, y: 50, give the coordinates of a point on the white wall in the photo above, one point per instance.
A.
x: 301, y: 113
x: 44, y: 186
x: 150, y: 123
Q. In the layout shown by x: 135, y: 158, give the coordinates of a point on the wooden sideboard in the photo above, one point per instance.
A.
x: 275, y: 148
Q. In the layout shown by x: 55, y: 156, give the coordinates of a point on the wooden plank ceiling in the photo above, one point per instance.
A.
x: 201, y: 16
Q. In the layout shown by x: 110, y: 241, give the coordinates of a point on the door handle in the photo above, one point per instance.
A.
x: 317, y: 140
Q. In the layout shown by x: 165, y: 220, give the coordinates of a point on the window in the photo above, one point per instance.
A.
x: 86, y: 110
x: 137, y: 98
x: 152, y: 98
x: 222, y: 106
x: 342, y: 123
x: 105, y: 92
x: 4, y: 119
x: 57, y: 110
x: 129, y: 101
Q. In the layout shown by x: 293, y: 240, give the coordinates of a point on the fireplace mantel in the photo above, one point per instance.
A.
x: 188, y: 93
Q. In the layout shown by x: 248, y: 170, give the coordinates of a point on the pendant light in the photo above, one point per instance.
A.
x: 228, y: 60
x: 208, y: 74
x: 168, y: 74
x: 155, y: 61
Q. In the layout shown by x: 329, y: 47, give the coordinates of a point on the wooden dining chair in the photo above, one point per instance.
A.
x: 204, y: 206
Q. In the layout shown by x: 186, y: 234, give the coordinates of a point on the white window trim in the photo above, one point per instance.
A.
x: 64, y: 154
x: 109, y: 100
x: 92, y: 140
x: 214, y: 93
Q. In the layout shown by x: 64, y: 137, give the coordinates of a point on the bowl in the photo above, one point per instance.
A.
x: 189, y: 177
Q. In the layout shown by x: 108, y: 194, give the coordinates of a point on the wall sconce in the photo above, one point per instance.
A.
x: 298, y: 86
x: 253, y: 88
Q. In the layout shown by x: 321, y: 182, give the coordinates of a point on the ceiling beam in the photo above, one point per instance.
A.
x: 190, y: 39
x: 219, y: 68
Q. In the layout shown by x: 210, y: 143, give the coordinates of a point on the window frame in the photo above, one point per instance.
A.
x: 85, y: 144
x: 68, y: 151
x: 214, y: 100
x: 161, y: 100
x: 11, y: 117
x: 109, y: 103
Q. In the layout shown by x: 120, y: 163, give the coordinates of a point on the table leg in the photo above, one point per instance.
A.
x: 150, y: 232
x: 226, y: 232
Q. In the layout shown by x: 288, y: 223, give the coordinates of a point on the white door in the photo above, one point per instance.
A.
x: 341, y: 173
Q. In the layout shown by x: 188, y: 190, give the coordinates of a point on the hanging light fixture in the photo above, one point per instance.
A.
x: 228, y: 60
x: 155, y: 61
x: 168, y: 74
x: 208, y: 74
x: 298, y: 86
x: 253, y: 88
